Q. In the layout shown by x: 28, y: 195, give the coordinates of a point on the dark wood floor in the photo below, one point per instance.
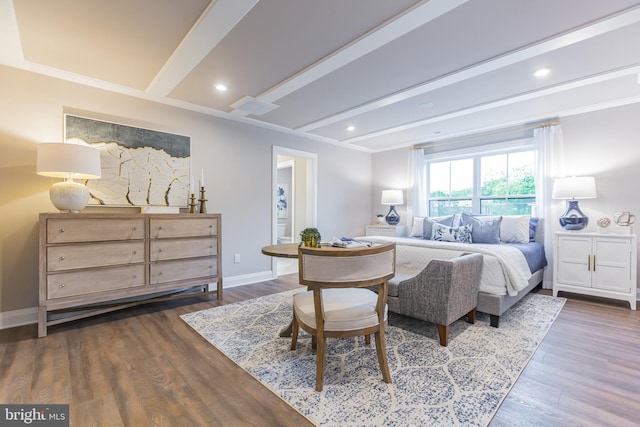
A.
x: 144, y: 366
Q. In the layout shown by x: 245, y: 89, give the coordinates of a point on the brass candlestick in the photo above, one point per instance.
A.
x: 192, y: 204
x: 203, y: 205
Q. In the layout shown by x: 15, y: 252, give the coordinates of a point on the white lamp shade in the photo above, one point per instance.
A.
x: 392, y: 197
x: 575, y: 187
x: 59, y: 160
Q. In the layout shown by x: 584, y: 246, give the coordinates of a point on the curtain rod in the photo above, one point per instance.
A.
x: 451, y: 141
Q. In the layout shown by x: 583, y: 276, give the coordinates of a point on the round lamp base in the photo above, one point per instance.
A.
x: 69, y: 196
x: 573, y: 219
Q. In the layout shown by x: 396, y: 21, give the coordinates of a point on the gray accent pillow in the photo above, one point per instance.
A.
x: 484, y: 229
x: 427, y: 227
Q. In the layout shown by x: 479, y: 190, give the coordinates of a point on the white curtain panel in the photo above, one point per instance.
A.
x: 550, y: 164
x: 417, y: 186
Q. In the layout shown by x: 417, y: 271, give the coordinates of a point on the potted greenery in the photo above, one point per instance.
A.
x: 380, y: 218
x: 310, y: 237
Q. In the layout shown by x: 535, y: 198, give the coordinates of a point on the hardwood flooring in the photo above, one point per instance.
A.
x: 144, y: 366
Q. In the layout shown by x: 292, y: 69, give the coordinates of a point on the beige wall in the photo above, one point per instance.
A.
x: 236, y: 159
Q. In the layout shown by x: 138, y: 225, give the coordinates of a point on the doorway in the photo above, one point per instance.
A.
x: 294, y: 200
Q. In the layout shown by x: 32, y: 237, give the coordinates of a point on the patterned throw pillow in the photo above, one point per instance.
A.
x: 427, y: 228
x: 460, y: 234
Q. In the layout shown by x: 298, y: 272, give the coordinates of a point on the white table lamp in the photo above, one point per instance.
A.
x: 68, y: 161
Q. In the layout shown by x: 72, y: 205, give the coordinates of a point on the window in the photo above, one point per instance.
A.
x: 497, y: 182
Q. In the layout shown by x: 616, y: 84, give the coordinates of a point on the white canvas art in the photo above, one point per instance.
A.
x: 140, y: 167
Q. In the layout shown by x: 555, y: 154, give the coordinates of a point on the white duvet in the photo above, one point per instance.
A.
x: 505, y: 269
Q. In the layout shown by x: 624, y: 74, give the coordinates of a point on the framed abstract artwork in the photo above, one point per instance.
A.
x: 140, y: 167
x: 282, y: 201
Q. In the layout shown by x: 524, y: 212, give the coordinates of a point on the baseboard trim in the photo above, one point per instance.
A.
x: 24, y: 316
x: 246, y: 279
x: 28, y: 316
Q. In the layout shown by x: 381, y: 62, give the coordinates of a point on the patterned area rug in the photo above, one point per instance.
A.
x: 459, y: 385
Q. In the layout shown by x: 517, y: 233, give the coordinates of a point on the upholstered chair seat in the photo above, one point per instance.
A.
x: 344, y: 309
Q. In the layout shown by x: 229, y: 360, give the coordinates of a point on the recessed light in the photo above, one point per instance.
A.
x: 220, y: 87
x: 542, y: 72
x: 351, y: 128
x: 425, y: 105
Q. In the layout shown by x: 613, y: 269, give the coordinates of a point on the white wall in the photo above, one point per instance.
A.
x: 236, y: 159
x: 604, y: 144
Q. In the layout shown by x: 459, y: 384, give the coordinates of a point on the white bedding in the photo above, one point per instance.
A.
x: 505, y: 269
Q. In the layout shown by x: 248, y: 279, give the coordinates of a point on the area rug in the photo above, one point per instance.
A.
x: 459, y: 385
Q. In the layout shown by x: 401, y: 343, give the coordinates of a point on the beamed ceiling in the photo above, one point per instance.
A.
x: 399, y: 72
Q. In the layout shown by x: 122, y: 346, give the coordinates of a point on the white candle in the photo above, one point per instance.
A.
x: 201, y: 178
x: 191, y: 189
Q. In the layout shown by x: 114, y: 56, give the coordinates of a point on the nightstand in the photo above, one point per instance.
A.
x: 602, y: 265
x: 386, y: 230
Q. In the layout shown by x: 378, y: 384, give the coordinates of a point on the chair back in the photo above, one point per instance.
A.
x: 330, y: 267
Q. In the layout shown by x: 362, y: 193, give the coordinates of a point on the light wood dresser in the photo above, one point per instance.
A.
x: 96, y: 263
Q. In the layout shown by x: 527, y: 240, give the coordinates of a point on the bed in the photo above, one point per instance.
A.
x: 510, y: 269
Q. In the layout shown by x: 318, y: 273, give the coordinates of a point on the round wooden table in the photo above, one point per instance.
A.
x: 290, y: 250
x: 286, y: 250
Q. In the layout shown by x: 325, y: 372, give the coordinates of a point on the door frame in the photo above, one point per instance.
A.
x: 311, y: 191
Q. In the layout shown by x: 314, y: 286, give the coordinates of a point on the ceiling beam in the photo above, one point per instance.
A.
x: 213, y: 25
x: 10, y: 46
x: 576, y: 36
x: 397, y: 27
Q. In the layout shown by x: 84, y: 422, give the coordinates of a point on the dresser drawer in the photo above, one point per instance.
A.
x: 67, y: 230
x: 68, y: 257
x: 169, y: 271
x: 162, y: 249
x: 85, y: 282
x: 168, y: 228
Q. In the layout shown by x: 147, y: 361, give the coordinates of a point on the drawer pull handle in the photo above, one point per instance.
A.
x: 61, y: 285
x: 62, y: 230
x: 135, y: 252
x: 61, y: 258
x: 135, y: 277
x: 210, y: 225
x: 160, y: 228
x: 159, y: 250
x: 134, y: 228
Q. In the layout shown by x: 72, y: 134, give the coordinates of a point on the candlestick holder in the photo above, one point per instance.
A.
x: 192, y: 204
x: 203, y: 205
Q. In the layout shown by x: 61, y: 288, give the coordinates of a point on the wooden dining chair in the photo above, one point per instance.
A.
x: 338, y: 303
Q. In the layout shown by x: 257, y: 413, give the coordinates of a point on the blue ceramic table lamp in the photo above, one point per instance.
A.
x: 573, y: 188
x: 392, y: 198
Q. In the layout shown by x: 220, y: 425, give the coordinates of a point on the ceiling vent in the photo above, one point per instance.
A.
x: 249, y: 105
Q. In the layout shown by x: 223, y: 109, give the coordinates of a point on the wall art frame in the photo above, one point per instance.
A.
x: 140, y: 167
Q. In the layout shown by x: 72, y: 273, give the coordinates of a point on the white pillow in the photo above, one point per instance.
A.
x: 416, y: 230
x: 514, y: 229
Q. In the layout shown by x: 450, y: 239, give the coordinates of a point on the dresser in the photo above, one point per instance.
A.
x: 602, y: 265
x: 96, y: 263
